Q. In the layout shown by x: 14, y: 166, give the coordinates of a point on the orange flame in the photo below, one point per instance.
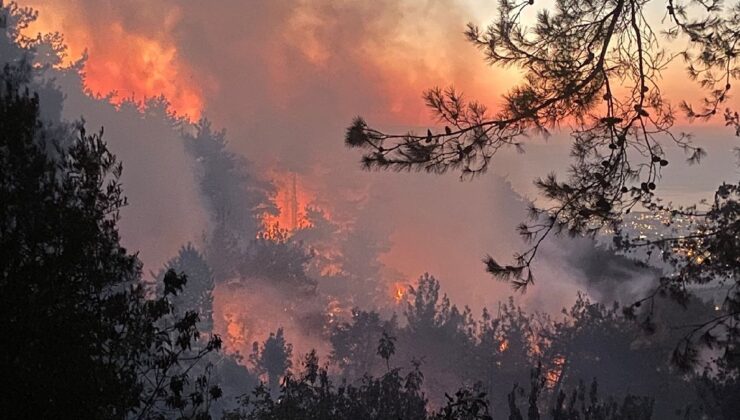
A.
x: 552, y: 376
x: 122, y: 64
x: 399, y: 292
x: 291, y: 201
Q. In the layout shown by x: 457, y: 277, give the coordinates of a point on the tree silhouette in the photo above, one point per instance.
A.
x: 353, y: 343
x: 197, y: 294
x: 83, y: 338
x: 272, y: 358
x: 236, y: 197
x: 596, y: 66
x: 579, y: 404
x: 313, y: 395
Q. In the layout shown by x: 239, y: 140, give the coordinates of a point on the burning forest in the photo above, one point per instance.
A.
x: 325, y: 209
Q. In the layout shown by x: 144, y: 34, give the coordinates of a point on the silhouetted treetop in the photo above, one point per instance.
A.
x: 83, y: 338
x: 595, y: 67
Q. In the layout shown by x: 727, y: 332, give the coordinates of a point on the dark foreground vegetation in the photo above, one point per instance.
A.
x: 84, y: 336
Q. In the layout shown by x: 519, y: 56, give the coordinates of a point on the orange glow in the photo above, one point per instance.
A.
x: 553, y: 375
x: 246, y: 311
x: 336, y: 311
x: 146, y: 69
x: 235, y: 332
x: 399, y: 292
x: 122, y: 64
x: 503, y: 346
x: 236, y: 318
x: 291, y: 201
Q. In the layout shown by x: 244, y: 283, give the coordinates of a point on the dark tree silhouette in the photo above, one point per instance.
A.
x: 353, y: 343
x: 596, y: 66
x: 197, y: 294
x: 279, y: 262
x: 83, y: 339
x: 490, y: 354
x: 272, y: 358
x: 579, y: 404
x: 313, y: 395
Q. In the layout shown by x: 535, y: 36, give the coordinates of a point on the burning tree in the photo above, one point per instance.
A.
x: 596, y: 65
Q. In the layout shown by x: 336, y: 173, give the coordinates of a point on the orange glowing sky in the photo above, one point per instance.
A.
x: 140, y: 61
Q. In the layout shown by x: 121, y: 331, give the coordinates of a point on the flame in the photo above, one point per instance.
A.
x: 147, y: 69
x: 236, y: 334
x: 291, y: 201
x: 241, y: 317
x: 553, y: 375
x: 399, y: 292
x: 121, y: 64
x: 503, y: 346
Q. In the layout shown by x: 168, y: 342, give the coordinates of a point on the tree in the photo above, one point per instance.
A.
x: 197, y: 295
x: 579, y: 404
x: 595, y: 65
x: 509, y: 343
x: 281, y: 263
x: 82, y: 337
x: 439, y: 333
x: 312, y: 395
x: 352, y: 343
x: 272, y: 358
x: 234, y: 195
x: 393, y: 395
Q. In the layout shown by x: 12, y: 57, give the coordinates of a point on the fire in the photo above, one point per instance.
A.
x: 553, y: 375
x: 235, y: 332
x: 241, y: 317
x: 147, y: 69
x: 291, y: 202
x: 399, y: 292
x: 503, y: 346
x: 122, y: 64
x: 337, y: 311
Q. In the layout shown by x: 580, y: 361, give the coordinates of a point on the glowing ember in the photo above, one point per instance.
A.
x: 336, y: 311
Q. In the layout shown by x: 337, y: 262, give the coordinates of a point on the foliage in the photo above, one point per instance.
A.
x: 596, y: 66
x: 234, y: 195
x: 312, y: 395
x: 281, y: 263
x: 272, y: 358
x: 578, y: 405
x: 197, y: 294
x: 490, y: 353
x: 86, y: 341
x: 352, y: 343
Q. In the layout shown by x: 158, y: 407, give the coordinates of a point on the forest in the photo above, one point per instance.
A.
x: 150, y: 269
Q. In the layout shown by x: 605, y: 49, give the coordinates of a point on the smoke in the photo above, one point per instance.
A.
x: 250, y: 314
x: 165, y: 209
x: 285, y: 80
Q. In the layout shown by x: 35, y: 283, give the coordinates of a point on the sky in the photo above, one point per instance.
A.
x: 284, y: 79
